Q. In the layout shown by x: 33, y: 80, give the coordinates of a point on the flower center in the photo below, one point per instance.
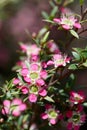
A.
x: 76, y: 118
x: 33, y: 75
x: 34, y: 89
x: 52, y: 114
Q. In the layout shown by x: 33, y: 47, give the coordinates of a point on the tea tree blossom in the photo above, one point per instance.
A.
x: 30, y: 50
x: 51, y: 114
x: 76, y: 97
x: 34, y: 74
x: 14, y: 107
x: 67, y: 22
x: 59, y: 60
x: 76, y: 119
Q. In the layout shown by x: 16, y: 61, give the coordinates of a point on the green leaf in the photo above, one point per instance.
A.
x: 45, y: 15
x: 54, y: 11
x: 75, y: 34
x: 76, y: 55
x: 44, y: 39
x: 49, y: 99
x: 73, y: 67
x: 81, y: 2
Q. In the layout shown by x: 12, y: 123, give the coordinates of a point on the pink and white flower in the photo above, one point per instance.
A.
x: 67, y: 22
x: 14, y: 107
x: 59, y: 60
x: 30, y: 50
x: 76, y: 98
x: 34, y: 74
x: 75, y: 120
x: 51, y: 114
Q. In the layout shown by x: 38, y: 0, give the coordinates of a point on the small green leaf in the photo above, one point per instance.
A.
x: 76, y: 55
x: 49, y: 99
x: 72, y: 67
x: 74, y: 34
x: 45, y: 15
x: 44, y: 39
x: 54, y: 11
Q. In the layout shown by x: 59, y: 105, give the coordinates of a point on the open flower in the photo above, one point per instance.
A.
x: 14, y: 107
x: 51, y: 114
x: 59, y: 60
x: 30, y: 49
x: 34, y: 74
x: 76, y: 98
x: 75, y: 120
x: 67, y: 22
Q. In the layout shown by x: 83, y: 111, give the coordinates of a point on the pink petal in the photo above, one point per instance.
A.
x: 34, y: 58
x: 53, y: 121
x: 43, y: 92
x: 32, y: 98
x: 69, y: 114
x: 16, y: 112
x: 23, y: 107
x: 50, y: 62
x: 40, y: 82
x: 24, y: 72
x: 34, y: 67
x: 6, y: 103
x: 66, y: 27
x: 43, y: 74
x: 44, y: 116
x: 24, y: 90
x: 69, y: 126
x: 77, y: 25
x: 28, y: 80
x: 16, y: 81
x: 23, y: 47
x: 76, y: 127
x: 57, y: 20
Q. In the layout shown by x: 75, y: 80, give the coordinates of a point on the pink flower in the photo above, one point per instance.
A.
x: 59, y: 60
x: 17, y: 107
x: 76, y: 98
x: 32, y: 98
x: 75, y: 120
x: 51, y: 114
x: 30, y: 49
x: 67, y: 22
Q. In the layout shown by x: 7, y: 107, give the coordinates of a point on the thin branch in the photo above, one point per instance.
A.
x: 83, y: 31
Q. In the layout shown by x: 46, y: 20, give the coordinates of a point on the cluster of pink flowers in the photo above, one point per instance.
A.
x: 33, y: 81
x: 33, y: 84
x: 14, y: 107
x: 67, y: 22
